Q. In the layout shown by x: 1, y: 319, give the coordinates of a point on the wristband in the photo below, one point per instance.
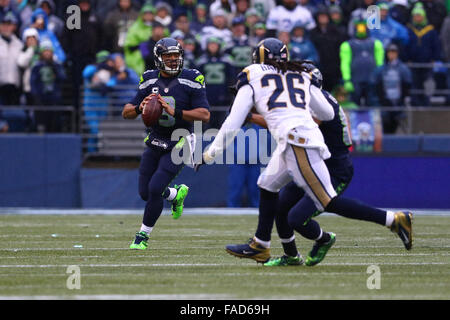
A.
x: 138, y: 111
x: 178, y: 114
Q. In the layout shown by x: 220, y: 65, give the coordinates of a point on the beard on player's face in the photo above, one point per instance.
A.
x: 171, y: 60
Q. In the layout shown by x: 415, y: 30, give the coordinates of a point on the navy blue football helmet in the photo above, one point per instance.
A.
x: 316, y: 75
x: 270, y: 49
x: 167, y: 46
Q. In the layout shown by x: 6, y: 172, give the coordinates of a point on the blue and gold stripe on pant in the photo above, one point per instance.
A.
x: 310, y: 176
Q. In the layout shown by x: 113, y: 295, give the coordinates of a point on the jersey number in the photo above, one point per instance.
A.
x: 296, y: 95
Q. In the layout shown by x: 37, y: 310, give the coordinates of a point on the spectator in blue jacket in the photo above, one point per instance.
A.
x: 423, y: 47
x: 95, y: 103
x: 55, y: 24
x: 46, y: 81
x: 300, y: 46
x: 122, y: 85
x: 390, y: 30
x: 40, y: 22
x: 392, y: 82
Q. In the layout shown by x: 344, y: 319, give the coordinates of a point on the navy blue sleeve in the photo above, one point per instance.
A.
x: 198, y: 90
x: 138, y: 98
x: 199, y: 99
x: 242, y: 79
x: 142, y: 92
x: 331, y: 100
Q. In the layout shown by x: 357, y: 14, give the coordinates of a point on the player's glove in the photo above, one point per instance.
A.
x: 348, y: 86
x: 197, y: 166
x: 206, y: 158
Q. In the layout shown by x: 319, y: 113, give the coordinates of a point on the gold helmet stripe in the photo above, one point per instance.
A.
x: 261, y: 53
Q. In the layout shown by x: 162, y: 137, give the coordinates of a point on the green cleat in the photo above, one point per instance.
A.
x: 178, y: 202
x: 319, y: 251
x: 285, y: 261
x: 141, y: 241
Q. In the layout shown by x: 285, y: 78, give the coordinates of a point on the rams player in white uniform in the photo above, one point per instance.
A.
x: 281, y: 92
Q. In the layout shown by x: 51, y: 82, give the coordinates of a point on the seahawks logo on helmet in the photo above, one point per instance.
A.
x: 316, y: 75
x: 270, y: 49
x: 168, y: 46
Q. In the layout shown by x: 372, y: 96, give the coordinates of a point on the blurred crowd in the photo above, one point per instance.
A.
x: 366, y: 60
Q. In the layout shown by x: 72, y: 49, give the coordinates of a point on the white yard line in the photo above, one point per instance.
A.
x: 125, y: 297
x: 187, y: 211
x: 207, y: 264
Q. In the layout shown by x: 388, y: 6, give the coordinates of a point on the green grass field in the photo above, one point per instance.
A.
x: 186, y: 260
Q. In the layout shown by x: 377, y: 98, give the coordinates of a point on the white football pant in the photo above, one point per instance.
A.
x: 303, y: 166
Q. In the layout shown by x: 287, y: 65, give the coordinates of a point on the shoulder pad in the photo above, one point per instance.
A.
x: 243, y: 78
x: 192, y: 78
x: 149, y: 77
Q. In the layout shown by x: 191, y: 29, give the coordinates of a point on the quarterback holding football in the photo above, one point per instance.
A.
x: 182, y: 96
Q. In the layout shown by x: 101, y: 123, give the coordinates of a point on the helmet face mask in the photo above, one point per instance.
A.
x: 270, y: 49
x: 169, y: 56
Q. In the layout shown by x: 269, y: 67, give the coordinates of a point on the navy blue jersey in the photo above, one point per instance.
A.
x: 241, y: 53
x: 185, y: 91
x: 336, y: 132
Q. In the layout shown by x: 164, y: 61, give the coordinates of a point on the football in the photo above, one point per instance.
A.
x: 152, y: 111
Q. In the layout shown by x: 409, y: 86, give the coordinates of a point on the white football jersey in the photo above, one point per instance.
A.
x: 282, y: 99
x: 287, y: 102
x: 284, y: 102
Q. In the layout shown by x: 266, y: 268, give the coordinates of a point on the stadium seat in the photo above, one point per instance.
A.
x: 401, y: 144
x: 436, y: 143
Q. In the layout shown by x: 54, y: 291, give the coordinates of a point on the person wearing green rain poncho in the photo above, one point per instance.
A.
x: 139, y: 32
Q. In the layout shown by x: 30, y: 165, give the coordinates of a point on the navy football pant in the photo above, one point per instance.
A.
x: 156, y: 172
x: 298, y: 215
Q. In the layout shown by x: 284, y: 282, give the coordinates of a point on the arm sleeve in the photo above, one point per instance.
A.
x: 379, y: 53
x: 346, y: 61
x: 233, y: 123
x: 24, y: 58
x: 320, y: 108
x: 138, y: 98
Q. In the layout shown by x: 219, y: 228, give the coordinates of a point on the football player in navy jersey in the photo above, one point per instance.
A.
x: 182, y: 94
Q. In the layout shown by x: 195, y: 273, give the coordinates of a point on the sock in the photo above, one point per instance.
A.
x: 289, y: 247
x: 146, y: 229
x: 320, y: 235
x: 268, y: 206
x: 389, y: 218
x: 170, y: 194
x: 324, y: 238
x: 265, y: 244
x: 356, y: 210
